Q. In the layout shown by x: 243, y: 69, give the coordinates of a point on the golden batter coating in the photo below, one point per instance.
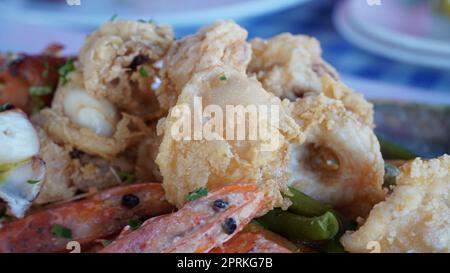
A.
x: 222, y: 43
x: 58, y: 184
x: 90, y: 124
x: 120, y: 62
x: 189, y: 164
x: 291, y: 66
x: 415, y: 217
x: 340, y: 161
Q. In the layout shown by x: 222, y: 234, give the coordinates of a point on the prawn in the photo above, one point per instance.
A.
x: 199, y: 226
x: 84, y: 221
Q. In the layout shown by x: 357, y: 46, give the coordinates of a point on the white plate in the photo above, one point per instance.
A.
x: 179, y: 13
x: 395, y: 31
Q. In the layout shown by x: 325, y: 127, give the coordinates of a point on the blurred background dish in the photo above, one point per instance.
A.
x: 406, y: 32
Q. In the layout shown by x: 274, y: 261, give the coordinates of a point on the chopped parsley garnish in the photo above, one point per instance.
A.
x: 61, y: 231
x: 196, y: 194
x: 40, y: 90
x: 6, y: 106
x: 46, y: 70
x: 143, y: 71
x: 126, y: 176
x: 223, y: 78
x: 65, y: 69
x: 114, y: 17
x: 32, y: 182
x: 134, y: 223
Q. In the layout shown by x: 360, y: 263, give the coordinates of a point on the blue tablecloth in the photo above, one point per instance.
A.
x: 315, y: 19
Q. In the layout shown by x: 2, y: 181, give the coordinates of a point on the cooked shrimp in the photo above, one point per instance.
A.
x: 214, y: 162
x: 119, y: 63
x: 198, y: 226
x: 291, y: 66
x: 86, y: 220
x: 92, y: 125
x: 222, y: 43
x: 255, y: 239
x: 340, y: 162
x: 21, y: 171
x: 415, y: 217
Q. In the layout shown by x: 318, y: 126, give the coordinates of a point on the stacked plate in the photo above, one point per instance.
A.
x: 394, y: 29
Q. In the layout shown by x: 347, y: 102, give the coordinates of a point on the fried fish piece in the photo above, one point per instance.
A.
x: 90, y: 124
x: 291, y: 66
x: 58, y: 184
x: 339, y: 162
x: 120, y: 62
x: 222, y: 43
x: 218, y: 160
x: 415, y: 218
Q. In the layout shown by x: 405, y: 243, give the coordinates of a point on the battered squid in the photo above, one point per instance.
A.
x: 291, y: 66
x: 90, y: 124
x: 21, y: 170
x: 340, y: 161
x: 222, y: 43
x: 414, y: 218
x: 189, y: 164
x: 120, y: 63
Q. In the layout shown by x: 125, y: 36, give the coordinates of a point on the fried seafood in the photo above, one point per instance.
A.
x: 57, y: 184
x: 196, y: 227
x: 340, y: 162
x: 291, y: 66
x: 92, y: 125
x: 84, y: 221
x: 255, y: 239
x: 222, y: 43
x: 415, y: 218
x: 213, y: 163
x: 21, y: 171
x: 119, y: 63
x: 146, y: 168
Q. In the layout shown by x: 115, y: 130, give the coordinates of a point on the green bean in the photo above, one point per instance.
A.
x: 390, y: 175
x: 298, y: 227
x: 391, y: 150
x: 304, y: 205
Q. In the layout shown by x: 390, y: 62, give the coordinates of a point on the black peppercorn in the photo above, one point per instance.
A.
x: 137, y: 61
x: 75, y: 153
x: 130, y: 201
x: 230, y: 226
x: 220, y: 204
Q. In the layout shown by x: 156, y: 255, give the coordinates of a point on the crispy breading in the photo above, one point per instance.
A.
x: 415, y: 217
x: 145, y: 167
x: 60, y: 168
x: 222, y: 43
x: 99, y: 173
x: 340, y: 161
x: 291, y: 66
x: 119, y: 62
x: 128, y: 131
x: 189, y: 164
